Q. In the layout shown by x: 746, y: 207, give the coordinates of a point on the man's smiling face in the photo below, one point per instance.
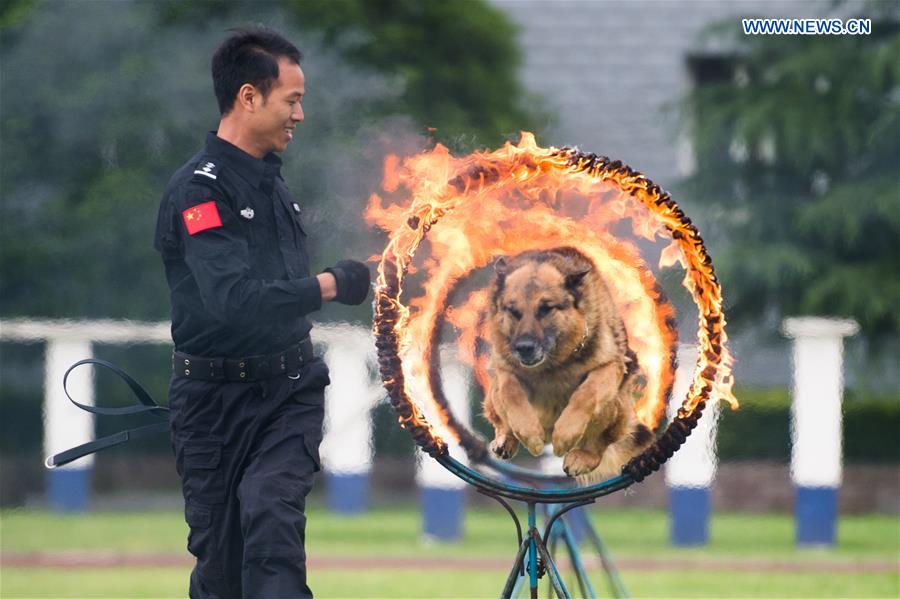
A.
x: 281, y: 110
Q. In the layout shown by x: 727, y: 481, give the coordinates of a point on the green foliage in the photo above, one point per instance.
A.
x: 13, y: 13
x: 870, y: 430
x: 799, y: 148
x: 761, y: 428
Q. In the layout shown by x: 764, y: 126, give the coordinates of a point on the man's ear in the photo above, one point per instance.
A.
x: 248, y: 97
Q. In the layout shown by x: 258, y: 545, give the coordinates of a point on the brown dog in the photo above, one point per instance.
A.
x: 561, y: 370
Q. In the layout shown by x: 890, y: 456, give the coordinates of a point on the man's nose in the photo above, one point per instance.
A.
x: 297, y: 114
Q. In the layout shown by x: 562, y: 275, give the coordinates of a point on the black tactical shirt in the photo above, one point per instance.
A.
x: 235, y: 255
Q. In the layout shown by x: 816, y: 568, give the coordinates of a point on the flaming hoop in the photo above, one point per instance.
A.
x: 527, y: 197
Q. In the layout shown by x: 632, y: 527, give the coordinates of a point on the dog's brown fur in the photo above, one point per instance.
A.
x: 579, y: 394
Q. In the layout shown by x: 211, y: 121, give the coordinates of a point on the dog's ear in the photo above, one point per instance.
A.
x: 500, y: 269
x: 500, y: 266
x: 574, y: 279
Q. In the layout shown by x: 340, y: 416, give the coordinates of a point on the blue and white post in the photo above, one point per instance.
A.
x: 690, y: 472
x: 442, y: 493
x: 68, y: 487
x: 346, y: 448
x: 816, y: 424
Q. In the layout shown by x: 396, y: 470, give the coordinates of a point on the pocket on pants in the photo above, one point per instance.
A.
x: 201, y: 539
x: 312, y: 448
x: 204, y: 481
x: 197, y: 516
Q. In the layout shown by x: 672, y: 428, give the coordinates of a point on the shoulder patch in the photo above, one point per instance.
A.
x: 207, y: 168
x: 201, y: 217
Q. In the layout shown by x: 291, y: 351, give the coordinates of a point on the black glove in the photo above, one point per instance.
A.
x: 353, y: 281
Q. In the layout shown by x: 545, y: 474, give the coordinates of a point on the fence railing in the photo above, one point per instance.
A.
x: 355, y: 390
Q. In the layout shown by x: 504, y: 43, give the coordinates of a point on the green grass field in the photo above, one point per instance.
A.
x: 631, y: 535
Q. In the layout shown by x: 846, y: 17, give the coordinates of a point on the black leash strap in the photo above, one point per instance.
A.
x: 146, y: 405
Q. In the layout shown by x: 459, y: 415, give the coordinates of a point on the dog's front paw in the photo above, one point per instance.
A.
x: 534, y: 444
x: 505, y: 446
x: 566, y: 435
x: 580, y: 461
x: 529, y: 433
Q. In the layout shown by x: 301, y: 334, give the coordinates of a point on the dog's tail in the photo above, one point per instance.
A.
x: 618, y: 454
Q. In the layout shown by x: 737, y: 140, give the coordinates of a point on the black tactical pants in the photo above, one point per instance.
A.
x: 246, y: 454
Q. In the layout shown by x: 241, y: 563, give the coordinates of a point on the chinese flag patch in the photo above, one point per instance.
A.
x: 201, y: 217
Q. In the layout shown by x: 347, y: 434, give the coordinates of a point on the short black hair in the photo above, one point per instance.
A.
x: 249, y: 55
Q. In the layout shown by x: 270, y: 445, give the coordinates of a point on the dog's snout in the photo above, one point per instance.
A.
x: 526, y: 347
x: 528, y: 350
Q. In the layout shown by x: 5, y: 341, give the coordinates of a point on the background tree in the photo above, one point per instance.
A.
x: 797, y: 142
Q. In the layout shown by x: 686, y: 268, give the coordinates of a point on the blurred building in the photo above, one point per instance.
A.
x: 608, y: 70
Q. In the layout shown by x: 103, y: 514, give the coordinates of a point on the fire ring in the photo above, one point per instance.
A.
x: 712, y: 375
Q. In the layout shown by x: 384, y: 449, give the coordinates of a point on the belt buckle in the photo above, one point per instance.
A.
x: 296, y: 376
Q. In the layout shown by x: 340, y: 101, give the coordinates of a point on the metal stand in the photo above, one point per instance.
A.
x: 535, y: 556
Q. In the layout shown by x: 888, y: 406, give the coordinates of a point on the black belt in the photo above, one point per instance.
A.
x: 244, y: 370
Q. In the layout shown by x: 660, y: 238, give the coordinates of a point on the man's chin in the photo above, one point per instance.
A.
x: 280, y: 147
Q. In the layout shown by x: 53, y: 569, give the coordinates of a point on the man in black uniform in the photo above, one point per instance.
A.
x: 247, y: 393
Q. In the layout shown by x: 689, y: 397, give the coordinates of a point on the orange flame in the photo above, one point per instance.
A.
x: 523, y: 197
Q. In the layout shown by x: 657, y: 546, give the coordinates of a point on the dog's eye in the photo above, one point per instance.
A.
x: 544, y: 310
x: 514, y: 313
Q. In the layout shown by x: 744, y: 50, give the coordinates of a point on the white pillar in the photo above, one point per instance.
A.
x: 66, y: 426
x: 690, y: 472
x: 816, y: 423
x: 443, y: 493
x: 346, y: 449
